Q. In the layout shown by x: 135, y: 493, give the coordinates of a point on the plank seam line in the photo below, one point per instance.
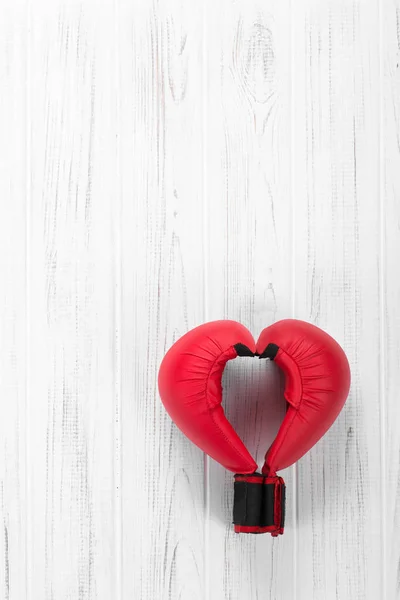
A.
x: 382, y: 399
x: 117, y: 324
x: 206, y: 477
x: 28, y: 493
x: 293, y: 282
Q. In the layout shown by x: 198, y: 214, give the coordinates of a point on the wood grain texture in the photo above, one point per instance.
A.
x: 337, y: 241
x: 249, y: 262
x: 72, y: 282
x: 163, y: 164
x: 390, y: 145
x: 12, y: 300
x: 163, y: 291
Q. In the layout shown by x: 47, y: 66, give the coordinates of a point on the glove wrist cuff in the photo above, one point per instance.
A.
x: 259, y: 504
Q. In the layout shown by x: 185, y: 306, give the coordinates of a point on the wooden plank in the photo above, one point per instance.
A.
x: 336, y: 178
x: 13, y: 32
x: 249, y: 263
x: 72, y: 302
x: 163, y: 293
x: 390, y: 158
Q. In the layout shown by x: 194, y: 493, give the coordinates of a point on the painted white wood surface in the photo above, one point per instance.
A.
x: 72, y: 396
x: 337, y: 240
x: 160, y: 146
x: 390, y: 224
x: 13, y: 352
x: 163, y: 164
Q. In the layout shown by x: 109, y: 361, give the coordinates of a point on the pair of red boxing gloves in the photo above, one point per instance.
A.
x: 317, y: 381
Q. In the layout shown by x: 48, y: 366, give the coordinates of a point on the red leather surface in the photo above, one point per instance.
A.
x: 189, y: 382
x: 317, y: 383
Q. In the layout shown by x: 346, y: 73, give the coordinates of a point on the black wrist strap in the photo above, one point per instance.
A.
x: 259, y: 504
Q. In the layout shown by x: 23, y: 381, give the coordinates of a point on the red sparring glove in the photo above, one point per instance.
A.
x: 317, y: 384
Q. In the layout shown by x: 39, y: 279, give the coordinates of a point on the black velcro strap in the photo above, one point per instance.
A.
x: 259, y: 504
x: 270, y: 351
x: 242, y: 350
x: 247, y: 503
x: 267, y: 506
x: 283, y: 510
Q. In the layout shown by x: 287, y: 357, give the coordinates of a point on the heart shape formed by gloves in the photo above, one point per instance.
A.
x: 317, y: 381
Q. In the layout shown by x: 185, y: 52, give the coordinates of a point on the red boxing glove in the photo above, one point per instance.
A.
x: 317, y: 383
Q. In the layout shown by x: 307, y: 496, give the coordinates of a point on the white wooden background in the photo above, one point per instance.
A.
x: 162, y: 164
